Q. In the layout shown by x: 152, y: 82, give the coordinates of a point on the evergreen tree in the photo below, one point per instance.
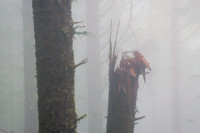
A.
x: 53, y: 27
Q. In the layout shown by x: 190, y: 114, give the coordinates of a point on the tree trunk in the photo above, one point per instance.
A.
x: 31, y: 119
x: 53, y: 27
x: 94, y: 69
x: 123, y: 88
x: 121, y: 106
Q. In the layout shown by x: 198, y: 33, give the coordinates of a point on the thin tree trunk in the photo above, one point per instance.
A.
x: 94, y: 69
x: 31, y: 116
x: 53, y: 27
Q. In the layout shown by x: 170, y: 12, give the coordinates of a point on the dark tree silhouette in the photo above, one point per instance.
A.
x: 54, y: 31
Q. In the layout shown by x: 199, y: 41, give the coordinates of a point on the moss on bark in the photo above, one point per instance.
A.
x: 53, y: 28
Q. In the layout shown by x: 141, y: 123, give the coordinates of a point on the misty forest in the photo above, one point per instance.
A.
x: 99, y: 66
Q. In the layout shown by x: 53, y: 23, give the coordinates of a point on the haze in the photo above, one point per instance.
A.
x: 166, y: 32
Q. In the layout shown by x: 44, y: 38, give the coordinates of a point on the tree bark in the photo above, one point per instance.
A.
x: 122, y: 105
x: 123, y: 88
x: 121, y: 113
x: 30, y: 90
x: 53, y: 27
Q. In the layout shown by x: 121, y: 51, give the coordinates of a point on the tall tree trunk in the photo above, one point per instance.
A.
x: 31, y: 116
x: 53, y: 27
x: 94, y: 69
x: 175, y: 69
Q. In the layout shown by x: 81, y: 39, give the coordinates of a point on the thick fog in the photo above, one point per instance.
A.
x: 166, y: 32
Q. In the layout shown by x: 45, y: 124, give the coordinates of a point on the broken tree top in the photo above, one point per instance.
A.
x: 131, y: 66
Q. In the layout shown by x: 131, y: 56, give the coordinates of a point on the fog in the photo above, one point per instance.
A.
x: 166, y: 32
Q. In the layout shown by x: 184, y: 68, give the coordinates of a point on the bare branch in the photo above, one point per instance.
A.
x: 139, y: 118
x: 80, y: 118
x: 78, y: 22
x: 81, y: 63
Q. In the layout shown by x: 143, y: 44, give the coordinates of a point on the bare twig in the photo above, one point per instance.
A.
x: 80, y: 118
x: 81, y: 63
x: 78, y: 22
x: 79, y: 27
x: 139, y: 118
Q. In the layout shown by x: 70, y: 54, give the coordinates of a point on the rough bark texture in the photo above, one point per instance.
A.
x: 30, y: 89
x: 95, y: 91
x: 53, y: 27
x: 123, y: 88
x: 122, y: 105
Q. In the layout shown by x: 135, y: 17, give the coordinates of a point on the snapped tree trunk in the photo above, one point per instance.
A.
x: 30, y: 89
x: 123, y: 87
x: 121, y: 109
x: 122, y: 103
x: 53, y: 28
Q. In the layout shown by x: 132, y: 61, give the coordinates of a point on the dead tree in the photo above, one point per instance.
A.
x: 123, y: 87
